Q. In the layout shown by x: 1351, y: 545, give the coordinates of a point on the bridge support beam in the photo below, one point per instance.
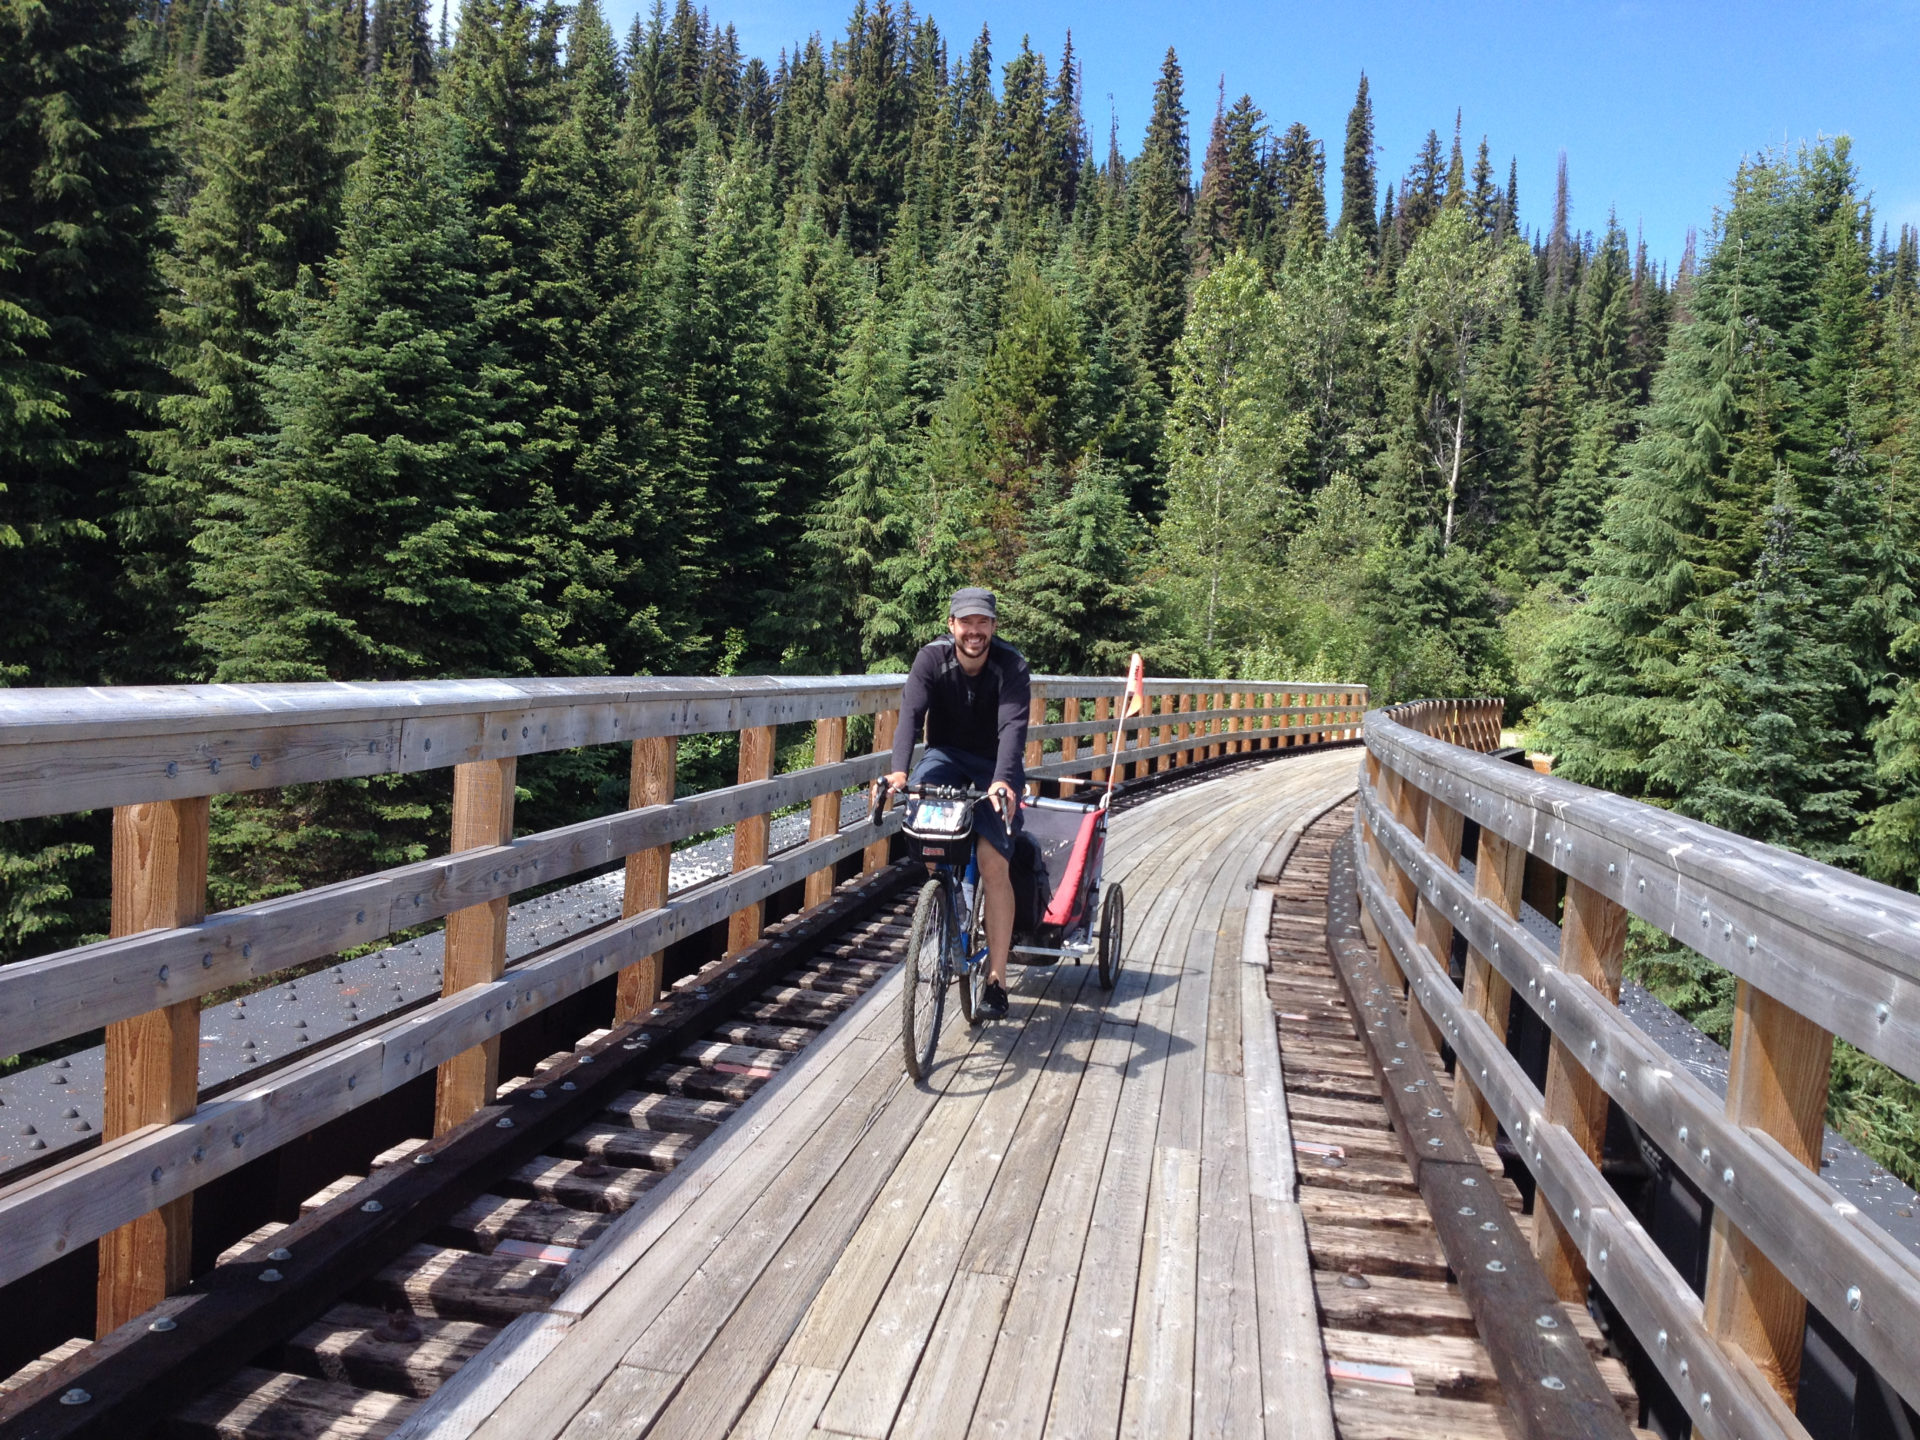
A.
x: 650, y: 781
x: 153, y: 1060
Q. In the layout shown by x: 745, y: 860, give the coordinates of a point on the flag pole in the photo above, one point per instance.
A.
x: 1133, y: 701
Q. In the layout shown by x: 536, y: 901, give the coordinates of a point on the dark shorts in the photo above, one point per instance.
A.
x: 962, y: 767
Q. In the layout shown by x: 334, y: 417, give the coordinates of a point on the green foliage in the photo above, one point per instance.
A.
x: 1231, y: 439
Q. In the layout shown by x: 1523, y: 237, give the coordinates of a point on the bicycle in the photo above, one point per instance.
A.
x: 945, y: 944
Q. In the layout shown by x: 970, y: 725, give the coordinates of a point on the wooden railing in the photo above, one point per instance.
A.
x: 1817, y: 953
x: 156, y: 756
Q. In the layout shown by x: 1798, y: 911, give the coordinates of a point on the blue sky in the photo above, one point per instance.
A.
x: 1654, y: 103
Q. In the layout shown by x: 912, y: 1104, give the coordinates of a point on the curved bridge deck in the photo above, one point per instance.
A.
x: 1081, y: 1225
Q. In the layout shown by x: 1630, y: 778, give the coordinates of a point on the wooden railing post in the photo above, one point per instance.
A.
x: 1165, y: 762
x: 650, y: 781
x: 1776, y: 1082
x: 1499, y: 871
x: 153, y: 1060
x: 874, y: 857
x: 750, y: 834
x: 1186, y: 727
x: 1036, y: 752
x: 1431, y: 927
x: 1383, y: 780
x: 476, y: 939
x: 1069, y: 744
x: 1593, y: 942
x: 823, y: 817
x: 1102, y: 737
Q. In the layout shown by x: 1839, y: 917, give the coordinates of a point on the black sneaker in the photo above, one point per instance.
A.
x: 993, y: 1001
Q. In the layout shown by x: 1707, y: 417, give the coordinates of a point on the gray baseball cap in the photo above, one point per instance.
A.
x: 972, y: 600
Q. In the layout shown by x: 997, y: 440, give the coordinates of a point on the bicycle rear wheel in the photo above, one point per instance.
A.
x: 923, y: 998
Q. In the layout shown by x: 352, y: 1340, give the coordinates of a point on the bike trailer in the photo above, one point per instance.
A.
x: 1057, y: 855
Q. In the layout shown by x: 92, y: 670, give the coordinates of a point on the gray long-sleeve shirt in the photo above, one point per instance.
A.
x: 985, y: 714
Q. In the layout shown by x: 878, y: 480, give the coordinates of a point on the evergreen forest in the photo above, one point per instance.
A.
x: 348, y: 339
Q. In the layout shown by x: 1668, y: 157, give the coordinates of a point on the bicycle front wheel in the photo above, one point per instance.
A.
x: 923, y: 998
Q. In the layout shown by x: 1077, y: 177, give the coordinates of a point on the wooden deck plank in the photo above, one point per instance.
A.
x: 625, y: 1304
x: 939, y: 1404
x: 1014, y: 1397
x: 881, y: 1365
x: 1227, y: 1399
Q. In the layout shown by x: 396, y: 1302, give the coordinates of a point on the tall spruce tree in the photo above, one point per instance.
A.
x: 1357, y: 192
x: 1162, y: 258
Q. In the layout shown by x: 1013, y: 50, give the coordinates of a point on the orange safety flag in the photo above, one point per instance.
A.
x: 1135, y: 701
x: 1132, y: 702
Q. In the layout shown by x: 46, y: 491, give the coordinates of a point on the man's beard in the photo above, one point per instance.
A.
x: 975, y: 644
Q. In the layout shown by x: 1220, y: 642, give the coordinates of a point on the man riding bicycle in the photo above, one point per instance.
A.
x: 972, y: 691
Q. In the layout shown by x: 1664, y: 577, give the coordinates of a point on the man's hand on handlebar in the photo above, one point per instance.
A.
x: 1000, y: 795
x: 881, y: 788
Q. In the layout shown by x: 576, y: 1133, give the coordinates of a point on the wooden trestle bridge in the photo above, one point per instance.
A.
x: 1361, y: 1143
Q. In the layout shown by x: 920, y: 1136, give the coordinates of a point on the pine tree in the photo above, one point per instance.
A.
x: 1560, y: 260
x: 1484, y: 202
x: 80, y: 186
x: 1303, y: 188
x: 1066, y: 133
x: 1357, y: 175
x: 1162, y: 260
x: 1216, y: 214
x: 596, y: 426
x: 1077, y: 606
x: 263, y: 220
x: 723, y: 289
x: 1456, y: 188
x: 365, y: 540
x: 858, y: 524
x: 1421, y: 193
x: 1760, y: 750
x: 1698, y: 487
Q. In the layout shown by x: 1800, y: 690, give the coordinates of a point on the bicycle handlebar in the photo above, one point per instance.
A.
x: 877, y: 802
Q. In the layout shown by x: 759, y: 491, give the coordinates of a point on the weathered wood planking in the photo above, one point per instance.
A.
x: 1840, y: 950
x: 1722, y: 1392
x: 74, y: 991
x: 1788, y: 1211
x: 84, y: 1198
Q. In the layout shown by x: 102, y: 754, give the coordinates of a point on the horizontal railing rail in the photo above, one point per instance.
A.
x: 158, y: 755
x: 1816, y: 952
